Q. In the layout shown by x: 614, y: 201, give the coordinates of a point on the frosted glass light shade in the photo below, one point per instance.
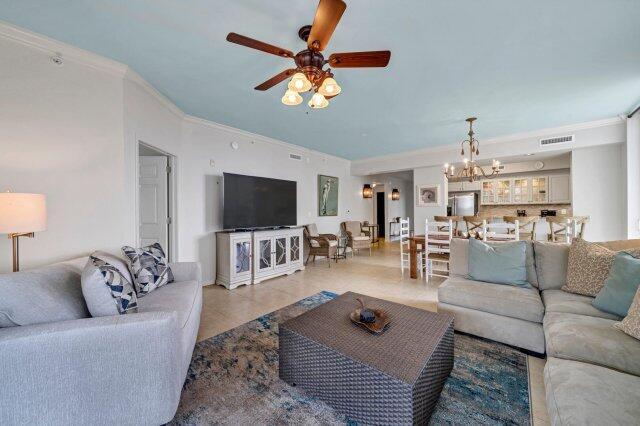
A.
x: 318, y: 101
x: 329, y: 87
x: 299, y: 83
x: 291, y: 98
x: 20, y: 213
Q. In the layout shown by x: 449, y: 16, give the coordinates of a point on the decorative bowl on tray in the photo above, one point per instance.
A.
x: 374, y: 320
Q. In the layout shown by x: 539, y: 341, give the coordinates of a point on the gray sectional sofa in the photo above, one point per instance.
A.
x: 592, y: 374
x: 124, y: 369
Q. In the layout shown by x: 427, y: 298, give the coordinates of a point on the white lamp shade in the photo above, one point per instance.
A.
x: 20, y: 213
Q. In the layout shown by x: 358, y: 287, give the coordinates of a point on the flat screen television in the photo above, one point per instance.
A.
x: 252, y: 202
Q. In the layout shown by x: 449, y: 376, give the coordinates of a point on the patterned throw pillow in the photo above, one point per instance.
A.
x: 631, y: 323
x: 121, y: 289
x: 588, y: 267
x: 149, y: 266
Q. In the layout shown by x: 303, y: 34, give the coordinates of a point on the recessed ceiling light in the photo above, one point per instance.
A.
x: 528, y: 155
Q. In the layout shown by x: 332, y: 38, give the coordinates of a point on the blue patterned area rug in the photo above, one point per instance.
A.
x: 233, y: 379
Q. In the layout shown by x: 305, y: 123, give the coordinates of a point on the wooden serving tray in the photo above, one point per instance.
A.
x: 382, y: 319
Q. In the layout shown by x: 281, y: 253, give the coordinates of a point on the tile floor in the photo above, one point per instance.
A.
x: 377, y: 275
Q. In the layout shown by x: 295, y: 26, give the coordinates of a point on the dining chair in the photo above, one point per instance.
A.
x: 405, y: 255
x: 560, y: 228
x: 437, y: 247
x: 524, y: 222
x: 579, y: 223
x: 454, y: 219
x: 474, y: 225
x: 501, y: 231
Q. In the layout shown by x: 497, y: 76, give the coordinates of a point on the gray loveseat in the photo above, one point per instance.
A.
x: 592, y: 374
x: 125, y: 369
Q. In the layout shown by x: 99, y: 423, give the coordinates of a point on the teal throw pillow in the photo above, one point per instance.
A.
x: 620, y: 286
x: 500, y: 264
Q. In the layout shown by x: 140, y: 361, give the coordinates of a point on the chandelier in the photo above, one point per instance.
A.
x: 471, y: 171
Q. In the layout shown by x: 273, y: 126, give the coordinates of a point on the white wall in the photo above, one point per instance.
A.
x: 200, y: 214
x: 633, y: 176
x: 61, y: 132
x: 72, y: 133
x: 428, y: 176
x: 599, y: 190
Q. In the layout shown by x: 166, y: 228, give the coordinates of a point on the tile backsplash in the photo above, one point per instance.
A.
x: 532, y: 209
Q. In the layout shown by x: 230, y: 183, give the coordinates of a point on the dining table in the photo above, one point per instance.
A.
x: 416, y: 240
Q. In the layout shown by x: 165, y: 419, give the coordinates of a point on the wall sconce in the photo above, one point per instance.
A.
x: 367, y: 191
x: 395, y: 194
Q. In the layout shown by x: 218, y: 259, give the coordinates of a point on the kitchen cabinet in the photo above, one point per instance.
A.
x: 503, y: 191
x: 560, y: 189
x: 539, y: 190
x: 488, y: 193
x: 521, y: 190
x: 464, y: 186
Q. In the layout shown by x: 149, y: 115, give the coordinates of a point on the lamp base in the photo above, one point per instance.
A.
x: 16, y: 248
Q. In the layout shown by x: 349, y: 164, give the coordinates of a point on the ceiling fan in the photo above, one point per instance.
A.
x: 309, y: 73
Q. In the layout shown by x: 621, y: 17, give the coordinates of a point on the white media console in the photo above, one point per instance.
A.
x: 254, y: 256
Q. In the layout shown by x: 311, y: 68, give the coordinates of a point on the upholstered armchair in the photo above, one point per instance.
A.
x: 357, y: 238
x: 320, y: 244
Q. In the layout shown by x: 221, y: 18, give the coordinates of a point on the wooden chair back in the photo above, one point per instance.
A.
x: 524, y: 222
x: 435, y: 239
x: 474, y: 225
x: 501, y: 231
x: 454, y: 219
x: 560, y: 228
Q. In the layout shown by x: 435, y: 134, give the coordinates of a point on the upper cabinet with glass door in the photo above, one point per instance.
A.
x: 539, y: 190
x: 488, y: 193
x: 520, y: 190
x: 503, y: 191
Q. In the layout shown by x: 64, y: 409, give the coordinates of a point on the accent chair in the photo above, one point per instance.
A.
x: 357, y: 238
x: 320, y: 244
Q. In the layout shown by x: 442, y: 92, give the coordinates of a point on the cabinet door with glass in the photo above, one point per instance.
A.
x: 503, y: 191
x: 488, y: 192
x: 263, y: 254
x: 295, y: 249
x: 520, y: 193
x: 281, y: 252
x: 539, y: 189
x: 241, y: 258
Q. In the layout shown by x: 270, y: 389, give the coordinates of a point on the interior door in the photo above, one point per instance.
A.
x: 154, y: 206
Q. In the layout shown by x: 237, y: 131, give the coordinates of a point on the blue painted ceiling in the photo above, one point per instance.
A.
x: 517, y: 65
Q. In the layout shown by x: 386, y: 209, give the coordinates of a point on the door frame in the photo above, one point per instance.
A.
x: 172, y: 193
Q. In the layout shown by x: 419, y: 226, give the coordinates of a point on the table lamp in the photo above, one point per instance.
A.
x: 21, y: 215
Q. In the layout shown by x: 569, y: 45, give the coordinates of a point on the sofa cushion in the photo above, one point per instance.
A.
x: 584, y: 394
x: 312, y: 229
x: 177, y: 297
x: 499, y: 264
x: 516, y: 302
x: 620, y: 286
x: 120, y: 264
x: 631, y: 323
x: 354, y: 227
x: 551, y: 264
x: 106, y: 291
x: 459, y: 258
x: 591, y: 339
x: 42, y: 295
x: 570, y: 303
x: 149, y: 267
x: 588, y: 267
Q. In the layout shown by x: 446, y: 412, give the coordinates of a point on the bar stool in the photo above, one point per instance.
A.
x: 523, y: 222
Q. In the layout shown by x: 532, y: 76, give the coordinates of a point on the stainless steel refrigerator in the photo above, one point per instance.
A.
x: 463, y: 204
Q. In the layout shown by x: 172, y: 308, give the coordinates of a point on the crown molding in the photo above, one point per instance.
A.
x: 535, y: 134
x: 66, y: 51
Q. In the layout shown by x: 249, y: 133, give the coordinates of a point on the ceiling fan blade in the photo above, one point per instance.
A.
x: 378, y: 58
x: 327, y: 17
x: 259, y: 45
x: 276, y: 79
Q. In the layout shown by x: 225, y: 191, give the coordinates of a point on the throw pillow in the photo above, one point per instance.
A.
x: 149, y: 267
x: 500, y: 264
x: 588, y: 267
x: 620, y: 286
x: 106, y: 291
x: 631, y: 323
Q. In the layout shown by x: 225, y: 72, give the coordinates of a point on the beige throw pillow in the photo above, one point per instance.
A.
x: 588, y: 267
x: 631, y: 323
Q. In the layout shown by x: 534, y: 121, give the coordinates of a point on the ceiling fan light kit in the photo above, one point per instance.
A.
x: 310, y: 73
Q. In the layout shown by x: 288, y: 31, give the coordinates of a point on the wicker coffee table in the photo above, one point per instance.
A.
x: 392, y: 378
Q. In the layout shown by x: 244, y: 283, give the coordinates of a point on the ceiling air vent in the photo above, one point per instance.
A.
x: 560, y: 140
x: 295, y: 157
